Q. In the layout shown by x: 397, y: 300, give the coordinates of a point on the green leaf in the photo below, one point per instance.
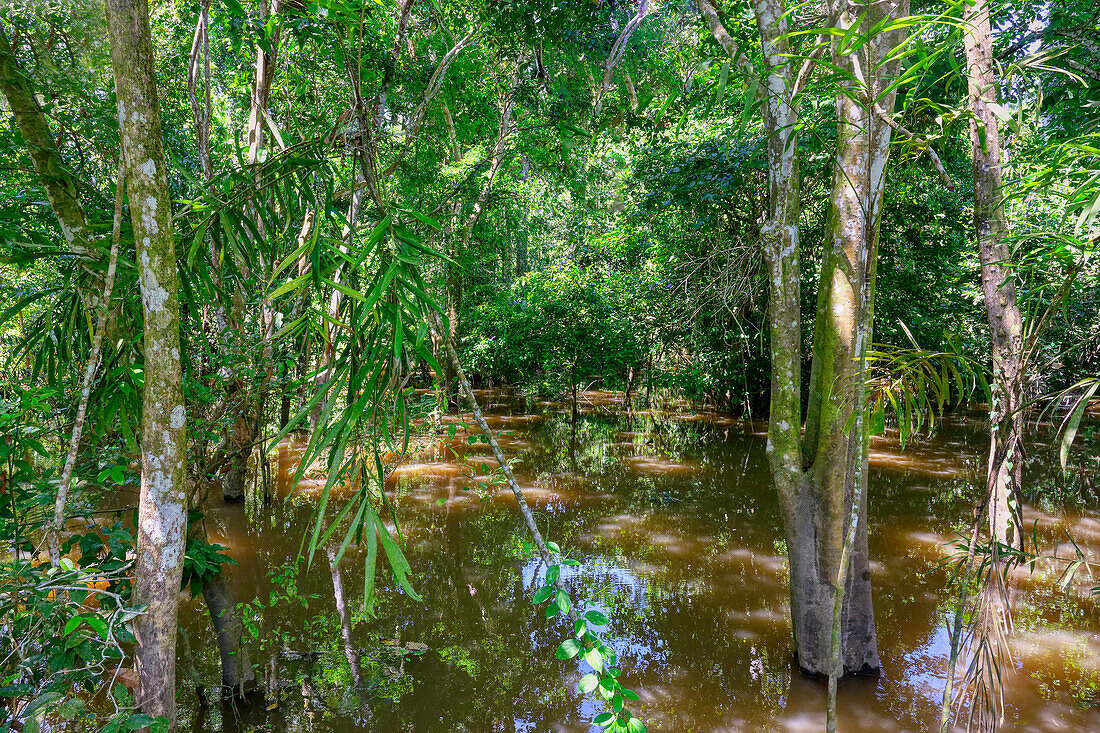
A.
x: 568, y: 649
x: 597, y: 618
x: 542, y: 595
x: 588, y: 683
x: 580, y: 628
x: 98, y: 624
x: 1073, y: 422
x: 561, y: 600
x: 70, y: 625
x: 603, y: 719
x: 397, y: 559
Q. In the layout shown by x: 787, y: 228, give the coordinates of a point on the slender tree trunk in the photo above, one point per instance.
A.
x: 198, y: 60
x: 60, y: 185
x: 161, y: 509
x: 1005, y: 468
x: 261, y: 87
x: 616, y: 54
x: 53, y: 534
x: 453, y: 284
x: 453, y: 273
x: 249, y: 401
x: 810, y: 602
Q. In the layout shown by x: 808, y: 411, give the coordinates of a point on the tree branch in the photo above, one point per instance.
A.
x: 924, y: 144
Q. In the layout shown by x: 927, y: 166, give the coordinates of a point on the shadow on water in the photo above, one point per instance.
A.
x: 673, y: 518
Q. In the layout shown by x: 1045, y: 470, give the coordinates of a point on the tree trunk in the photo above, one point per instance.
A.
x: 59, y: 184
x: 250, y: 400
x: 835, y: 445
x: 261, y: 87
x: 819, y: 480
x: 161, y: 509
x: 453, y: 272
x: 237, y: 673
x: 1005, y: 468
x: 63, y: 195
x: 453, y: 283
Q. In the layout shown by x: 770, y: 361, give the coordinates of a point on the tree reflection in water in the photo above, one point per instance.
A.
x: 674, y: 519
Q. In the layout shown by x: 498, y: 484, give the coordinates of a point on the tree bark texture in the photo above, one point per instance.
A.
x: 1005, y: 469
x: 835, y: 446
x: 816, y: 478
x: 161, y: 508
x: 57, y: 180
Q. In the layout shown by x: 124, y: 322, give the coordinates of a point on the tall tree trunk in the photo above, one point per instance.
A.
x: 1005, y: 468
x: 249, y: 400
x: 835, y: 445
x: 819, y: 479
x: 57, y: 180
x: 780, y: 238
x: 161, y: 509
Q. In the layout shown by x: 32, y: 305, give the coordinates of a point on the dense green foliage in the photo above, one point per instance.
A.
x: 587, y: 201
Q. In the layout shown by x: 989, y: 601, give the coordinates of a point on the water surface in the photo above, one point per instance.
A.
x: 674, y: 520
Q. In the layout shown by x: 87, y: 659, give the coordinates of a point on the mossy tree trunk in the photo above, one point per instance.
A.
x: 835, y: 448
x: 817, y: 478
x: 57, y: 180
x: 161, y: 508
x: 1005, y: 468
x: 63, y: 194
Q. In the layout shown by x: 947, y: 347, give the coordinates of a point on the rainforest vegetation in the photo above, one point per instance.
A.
x: 542, y: 365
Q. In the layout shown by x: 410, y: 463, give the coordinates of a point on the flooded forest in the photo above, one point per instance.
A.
x: 547, y: 366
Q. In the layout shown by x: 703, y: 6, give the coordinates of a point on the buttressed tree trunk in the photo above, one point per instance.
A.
x: 815, y: 479
x: 1005, y: 469
x: 161, y: 510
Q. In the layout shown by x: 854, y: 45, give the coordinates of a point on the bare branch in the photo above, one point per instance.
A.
x: 921, y: 142
x: 618, y: 49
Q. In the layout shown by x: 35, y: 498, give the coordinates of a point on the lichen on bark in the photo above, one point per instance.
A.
x: 161, y: 509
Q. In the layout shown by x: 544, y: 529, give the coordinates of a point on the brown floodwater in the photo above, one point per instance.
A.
x: 675, y: 524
